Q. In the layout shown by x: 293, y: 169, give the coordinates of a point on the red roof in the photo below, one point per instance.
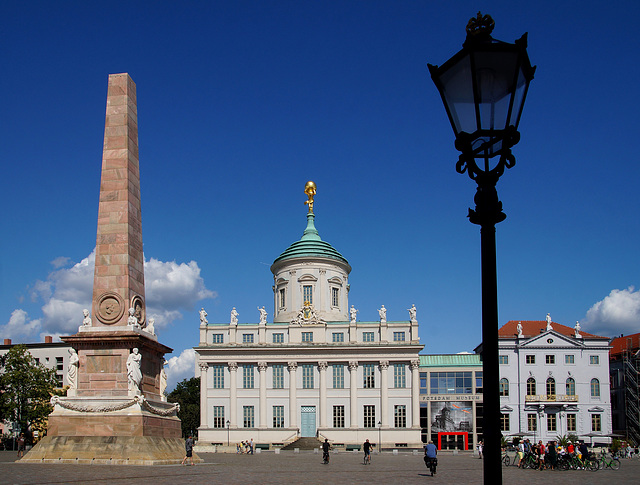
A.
x: 626, y: 342
x: 531, y: 328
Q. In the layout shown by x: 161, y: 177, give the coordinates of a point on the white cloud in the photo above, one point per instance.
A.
x: 617, y: 313
x: 170, y: 289
x: 20, y: 326
x: 181, y: 367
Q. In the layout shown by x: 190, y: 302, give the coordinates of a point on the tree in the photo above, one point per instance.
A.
x: 187, y: 394
x: 26, y: 387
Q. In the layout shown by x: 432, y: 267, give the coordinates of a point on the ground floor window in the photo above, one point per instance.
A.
x: 532, y: 422
x: 571, y: 422
x: 369, y: 416
x: 338, y: 416
x: 248, y: 416
x: 551, y: 422
x: 218, y: 416
x: 596, y: 422
x: 400, y: 416
x: 278, y: 416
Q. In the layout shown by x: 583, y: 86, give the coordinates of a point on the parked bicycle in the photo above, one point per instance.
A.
x: 613, y: 463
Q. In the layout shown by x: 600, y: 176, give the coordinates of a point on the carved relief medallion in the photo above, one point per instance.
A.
x: 110, y: 307
x: 137, y: 303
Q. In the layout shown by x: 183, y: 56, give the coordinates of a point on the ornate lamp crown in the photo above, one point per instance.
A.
x: 480, y: 25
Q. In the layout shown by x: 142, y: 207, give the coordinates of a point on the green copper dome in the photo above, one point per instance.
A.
x: 311, y: 245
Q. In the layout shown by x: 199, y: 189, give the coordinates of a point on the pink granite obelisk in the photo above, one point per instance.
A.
x: 115, y: 411
x: 118, y: 282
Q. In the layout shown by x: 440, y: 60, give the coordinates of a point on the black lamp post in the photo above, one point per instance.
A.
x: 483, y: 88
x: 228, y: 433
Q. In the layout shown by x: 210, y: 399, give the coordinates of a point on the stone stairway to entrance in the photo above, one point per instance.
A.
x: 304, y: 444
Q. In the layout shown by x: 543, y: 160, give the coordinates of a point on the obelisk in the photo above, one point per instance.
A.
x: 118, y: 282
x: 115, y: 411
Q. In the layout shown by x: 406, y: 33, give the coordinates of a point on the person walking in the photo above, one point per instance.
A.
x: 21, y: 445
x: 188, y: 446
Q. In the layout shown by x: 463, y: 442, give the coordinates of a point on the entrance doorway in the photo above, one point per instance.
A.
x: 308, y: 421
x: 453, y: 441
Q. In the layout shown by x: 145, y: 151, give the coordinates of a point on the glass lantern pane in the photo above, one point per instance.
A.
x: 518, y: 100
x: 457, y: 90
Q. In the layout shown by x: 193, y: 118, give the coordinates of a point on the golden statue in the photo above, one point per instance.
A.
x: 310, y: 190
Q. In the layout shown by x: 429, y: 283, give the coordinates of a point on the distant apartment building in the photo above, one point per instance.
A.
x: 624, y: 367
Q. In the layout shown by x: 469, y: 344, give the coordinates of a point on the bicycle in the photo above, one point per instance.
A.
x: 506, y: 460
x: 325, y: 457
x: 613, y: 463
x: 367, y: 459
x: 432, y: 464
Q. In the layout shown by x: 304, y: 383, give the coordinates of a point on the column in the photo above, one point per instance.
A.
x: 204, y: 385
x: 353, y: 393
x: 384, y: 393
x: 322, y: 408
x: 293, y: 401
x: 415, y: 394
x: 262, y: 369
x: 233, y: 394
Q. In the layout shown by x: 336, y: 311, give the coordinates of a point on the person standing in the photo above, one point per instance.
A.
x: 188, y: 446
x: 325, y: 451
x: 251, y: 447
x: 480, y: 447
x: 21, y: 445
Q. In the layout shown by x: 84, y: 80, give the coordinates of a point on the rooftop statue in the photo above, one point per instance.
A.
x: 203, y: 317
x: 234, y: 316
x: 549, y: 327
x: 310, y: 190
x: 413, y: 311
x: 383, y: 314
x: 353, y: 313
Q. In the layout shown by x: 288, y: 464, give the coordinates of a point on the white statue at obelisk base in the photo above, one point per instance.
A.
x: 134, y: 372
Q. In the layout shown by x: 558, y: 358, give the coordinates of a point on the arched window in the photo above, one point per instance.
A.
x: 551, y: 386
x: 504, y: 387
x: 571, y: 387
x: 531, y: 386
x: 595, y: 387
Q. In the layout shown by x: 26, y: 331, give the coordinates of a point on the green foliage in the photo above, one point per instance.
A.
x: 187, y: 394
x: 564, y: 439
x: 616, y: 445
x: 25, y: 389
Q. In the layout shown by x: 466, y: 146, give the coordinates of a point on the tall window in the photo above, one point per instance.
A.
x: 218, y: 416
x: 551, y: 386
x: 59, y: 375
x: 596, y: 422
x: 247, y: 416
x: 218, y: 377
x: 571, y: 422
x: 398, y: 336
x: 532, y: 422
x: 278, y: 376
x: 551, y: 422
x: 335, y: 297
x: 337, y: 337
x: 369, y: 373
x: 369, y: 416
x: 569, y: 359
x: 399, y: 376
x: 247, y: 338
x: 338, y: 416
x: 278, y: 338
x: 281, y: 298
x: 479, y: 380
x: 531, y: 386
x: 504, y: 422
x: 504, y: 387
x: 338, y: 376
x: 503, y: 359
x: 400, y: 416
x: 550, y: 359
x: 307, y: 293
x: 218, y: 338
x: 278, y: 416
x: 368, y: 337
x: 571, y: 387
x: 307, y: 336
x: 530, y: 359
x: 247, y: 376
x: 595, y: 387
x: 594, y: 359
x: 307, y: 376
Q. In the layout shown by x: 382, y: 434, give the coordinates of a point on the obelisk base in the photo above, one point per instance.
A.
x: 108, y: 450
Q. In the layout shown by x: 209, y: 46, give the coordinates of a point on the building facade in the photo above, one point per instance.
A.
x: 451, y: 400
x: 554, y: 380
x: 315, y: 371
x: 624, y: 367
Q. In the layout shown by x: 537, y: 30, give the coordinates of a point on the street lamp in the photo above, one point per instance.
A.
x: 483, y: 88
x: 228, y: 433
x: 379, y: 436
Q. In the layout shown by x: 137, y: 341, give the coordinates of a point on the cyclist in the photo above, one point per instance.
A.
x: 430, y: 456
x: 367, y: 452
x: 325, y: 451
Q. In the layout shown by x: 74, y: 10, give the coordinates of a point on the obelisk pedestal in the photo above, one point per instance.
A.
x: 114, y: 412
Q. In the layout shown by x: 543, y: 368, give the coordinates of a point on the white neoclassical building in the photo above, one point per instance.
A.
x: 554, y: 381
x: 315, y: 370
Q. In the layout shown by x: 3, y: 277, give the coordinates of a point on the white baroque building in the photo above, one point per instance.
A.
x: 315, y: 371
x: 554, y: 381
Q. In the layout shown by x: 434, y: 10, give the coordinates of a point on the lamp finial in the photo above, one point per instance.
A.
x: 480, y: 25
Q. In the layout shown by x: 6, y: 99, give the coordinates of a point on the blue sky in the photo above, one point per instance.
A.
x: 241, y: 102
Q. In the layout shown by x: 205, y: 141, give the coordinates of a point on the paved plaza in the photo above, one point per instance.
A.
x: 304, y: 468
